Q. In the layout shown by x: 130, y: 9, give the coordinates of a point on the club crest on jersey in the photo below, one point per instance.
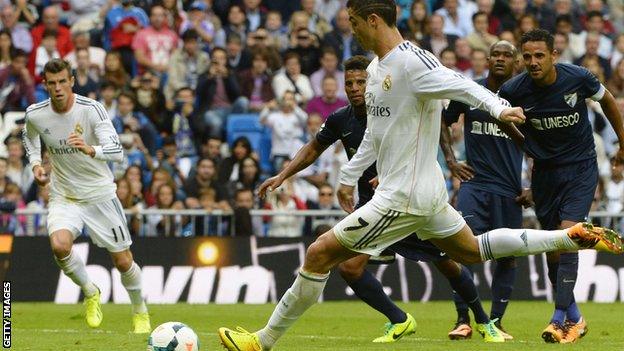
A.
x: 570, y: 99
x: 78, y: 129
x: 387, y: 83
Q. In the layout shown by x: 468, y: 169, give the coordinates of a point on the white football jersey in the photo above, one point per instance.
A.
x: 75, y: 177
x: 403, y: 127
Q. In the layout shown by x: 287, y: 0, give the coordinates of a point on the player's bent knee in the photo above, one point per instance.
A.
x: 61, y: 245
x: 122, y: 260
x: 448, y: 268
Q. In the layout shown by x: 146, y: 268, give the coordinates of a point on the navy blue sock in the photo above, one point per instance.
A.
x: 502, y: 286
x: 573, y: 313
x: 464, y: 286
x: 552, y: 273
x: 370, y: 290
x: 566, y: 279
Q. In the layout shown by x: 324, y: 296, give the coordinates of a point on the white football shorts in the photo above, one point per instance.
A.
x: 370, y: 229
x: 105, y: 222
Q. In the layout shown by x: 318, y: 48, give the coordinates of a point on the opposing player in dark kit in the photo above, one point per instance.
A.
x: 558, y: 136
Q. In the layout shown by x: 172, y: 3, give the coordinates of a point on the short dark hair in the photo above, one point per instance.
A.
x: 49, y: 33
x: 291, y: 54
x: 563, y: 18
x: 592, y: 14
x: 328, y: 50
x: 190, y: 34
x: 15, y: 53
x: 357, y: 62
x: 538, y: 35
x: 128, y: 94
x: 107, y: 84
x: 386, y: 9
x: 477, y: 14
x: 234, y: 37
x: 56, y: 66
x: 241, y: 191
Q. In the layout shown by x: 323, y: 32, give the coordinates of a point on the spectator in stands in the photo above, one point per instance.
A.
x: 36, y: 224
x: 463, y: 52
x: 187, y: 64
x: 220, y: 94
x: 248, y: 177
x: 316, y: 23
x: 244, y: 223
x: 480, y: 38
x: 154, y: 44
x: 4, y: 178
x: 85, y: 83
x: 17, y: 89
x: 284, y: 199
x: 175, y: 16
x: 592, y: 43
x: 494, y: 23
x: 478, y: 65
x: 26, y: 13
x: 566, y: 8
x: 544, y: 13
x: 616, y: 83
x: 327, y: 9
x: 150, y: 99
x: 415, y: 26
x: 97, y: 55
x: 457, y: 19
x: 51, y: 22
x: 326, y: 202
x: 517, y: 9
x: 121, y: 24
x: 135, y: 154
x: 239, y: 58
x: 19, y: 33
x: 114, y: 71
x: 160, y: 176
x: 448, y: 59
x: 229, y: 167
x: 276, y: 30
x: 261, y: 40
x: 306, y: 45
x: 46, y: 51
x: 437, y: 40
x: 576, y: 43
x: 341, y: 38
x: 199, y: 20
x: 211, y: 149
x: 255, y: 83
x: 166, y: 225
x: 6, y: 45
x: 205, y: 178
x: 187, y: 127
x: 562, y: 46
x: 108, y: 98
x: 255, y: 14
x: 287, y: 122
x: 328, y: 101
x: 526, y: 23
x: 236, y: 22
x: 17, y: 170
x: 15, y: 225
x: 290, y: 78
x: 169, y: 160
x: 595, y: 24
x: 129, y: 202
x: 329, y: 67
x: 618, y: 50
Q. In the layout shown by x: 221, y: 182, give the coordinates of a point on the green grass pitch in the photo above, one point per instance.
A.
x: 326, y: 326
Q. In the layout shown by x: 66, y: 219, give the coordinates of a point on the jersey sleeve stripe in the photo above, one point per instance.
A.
x: 103, y: 112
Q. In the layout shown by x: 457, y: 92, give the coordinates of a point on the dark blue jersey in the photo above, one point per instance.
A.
x: 495, y: 158
x: 343, y: 125
x: 557, y: 130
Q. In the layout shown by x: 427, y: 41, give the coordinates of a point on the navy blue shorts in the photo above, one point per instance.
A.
x: 484, y: 210
x: 415, y: 249
x: 564, y: 193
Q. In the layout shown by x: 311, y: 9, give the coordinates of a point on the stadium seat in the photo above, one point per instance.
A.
x: 248, y: 125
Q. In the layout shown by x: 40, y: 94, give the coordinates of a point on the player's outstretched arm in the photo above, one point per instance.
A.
x: 609, y: 107
x: 304, y: 157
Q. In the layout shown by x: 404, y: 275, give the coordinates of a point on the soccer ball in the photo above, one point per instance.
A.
x: 173, y: 336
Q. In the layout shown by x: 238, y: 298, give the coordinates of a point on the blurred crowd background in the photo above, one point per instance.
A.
x: 210, y: 97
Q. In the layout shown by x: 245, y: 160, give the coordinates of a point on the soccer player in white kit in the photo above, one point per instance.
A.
x: 402, y: 135
x: 80, y: 139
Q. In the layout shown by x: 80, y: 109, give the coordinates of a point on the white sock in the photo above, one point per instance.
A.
x: 131, y: 280
x: 506, y: 242
x: 74, y: 268
x: 304, y: 293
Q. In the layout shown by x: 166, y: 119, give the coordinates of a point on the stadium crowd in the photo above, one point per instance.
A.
x: 172, y: 73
